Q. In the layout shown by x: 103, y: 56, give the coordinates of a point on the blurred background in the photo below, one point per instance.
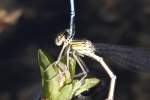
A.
x: 27, y: 25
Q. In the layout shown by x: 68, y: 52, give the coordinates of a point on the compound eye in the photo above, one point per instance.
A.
x: 60, y: 40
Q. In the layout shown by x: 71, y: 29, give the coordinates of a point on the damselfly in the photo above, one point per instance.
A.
x: 84, y: 48
x: 78, y: 48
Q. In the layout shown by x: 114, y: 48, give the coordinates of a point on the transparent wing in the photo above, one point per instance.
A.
x: 135, y: 59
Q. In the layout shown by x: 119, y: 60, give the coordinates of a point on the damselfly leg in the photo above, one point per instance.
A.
x: 59, y: 57
x: 84, y: 72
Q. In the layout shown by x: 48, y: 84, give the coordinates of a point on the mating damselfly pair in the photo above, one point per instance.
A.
x: 136, y: 58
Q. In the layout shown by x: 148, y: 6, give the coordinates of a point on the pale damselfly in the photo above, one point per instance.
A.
x: 84, y: 48
x: 80, y: 48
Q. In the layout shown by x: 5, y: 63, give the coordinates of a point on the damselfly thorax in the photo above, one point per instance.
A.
x: 82, y: 47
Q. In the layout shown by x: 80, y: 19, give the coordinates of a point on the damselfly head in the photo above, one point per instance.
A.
x: 60, y: 39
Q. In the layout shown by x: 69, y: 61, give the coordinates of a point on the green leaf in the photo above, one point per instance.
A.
x: 44, y: 61
x: 58, y: 85
x: 89, y: 83
x: 66, y: 92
